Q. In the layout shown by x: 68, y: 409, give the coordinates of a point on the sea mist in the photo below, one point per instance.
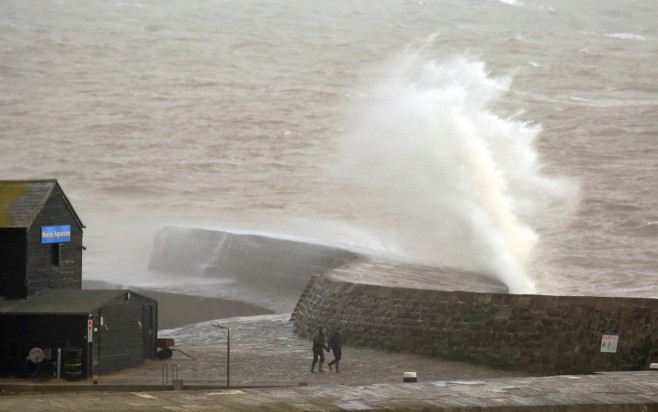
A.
x: 450, y: 181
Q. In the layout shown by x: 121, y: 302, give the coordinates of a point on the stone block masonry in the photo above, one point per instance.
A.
x: 539, y: 334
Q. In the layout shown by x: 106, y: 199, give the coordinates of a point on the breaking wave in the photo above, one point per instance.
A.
x: 458, y: 184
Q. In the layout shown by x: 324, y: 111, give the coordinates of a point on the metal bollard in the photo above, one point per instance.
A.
x: 178, y: 385
x: 165, y: 375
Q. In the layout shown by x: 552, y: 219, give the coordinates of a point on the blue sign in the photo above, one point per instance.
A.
x: 56, y: 234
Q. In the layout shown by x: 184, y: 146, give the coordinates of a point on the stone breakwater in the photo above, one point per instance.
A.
x: 534, y: 333
x: 384, y: 303
x: 271, y: 262
x: 286, y: 264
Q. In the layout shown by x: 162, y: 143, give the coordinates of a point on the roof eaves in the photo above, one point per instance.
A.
x: 69, y: 205
x: 27, y: 223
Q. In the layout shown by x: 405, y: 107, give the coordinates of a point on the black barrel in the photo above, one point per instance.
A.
x: 73, y: 364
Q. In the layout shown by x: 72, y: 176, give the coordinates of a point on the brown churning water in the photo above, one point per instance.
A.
x: 515, y: 138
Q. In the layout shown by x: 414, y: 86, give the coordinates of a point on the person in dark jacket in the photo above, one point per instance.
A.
x: 336, y: 345
x: 318, y: 348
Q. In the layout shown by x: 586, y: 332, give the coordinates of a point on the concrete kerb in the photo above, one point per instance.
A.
x: 31, y: 388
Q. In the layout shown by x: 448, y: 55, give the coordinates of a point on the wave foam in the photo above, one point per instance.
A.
x: 452, y: 179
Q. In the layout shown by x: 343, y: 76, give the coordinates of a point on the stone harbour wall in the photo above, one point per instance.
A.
x: 534, y: 333
x: 268, y: 261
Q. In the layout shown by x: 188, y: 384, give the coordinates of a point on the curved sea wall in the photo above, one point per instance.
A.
x: 534, y: 333
x: 285, y: 264
x: 267, y: 261
x: 420, y: 308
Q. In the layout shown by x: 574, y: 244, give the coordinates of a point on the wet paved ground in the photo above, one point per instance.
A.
x: 265, y: 351
x: 613, y: 392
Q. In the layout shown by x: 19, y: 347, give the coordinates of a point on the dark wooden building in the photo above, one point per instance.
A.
x: 40, y: 239
x: 113, y: 329
x: 41, y: 301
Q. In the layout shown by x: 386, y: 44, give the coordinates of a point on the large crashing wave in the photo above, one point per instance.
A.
x: 454, y: 182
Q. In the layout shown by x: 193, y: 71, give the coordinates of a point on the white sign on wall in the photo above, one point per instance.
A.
x: 609, y: 343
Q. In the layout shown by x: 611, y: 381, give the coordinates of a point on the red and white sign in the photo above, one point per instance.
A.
x: 609, y: 343
x: 90, y: 331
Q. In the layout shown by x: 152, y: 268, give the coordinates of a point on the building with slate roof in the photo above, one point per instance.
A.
x: 43, y: 310
x: 40, y: 239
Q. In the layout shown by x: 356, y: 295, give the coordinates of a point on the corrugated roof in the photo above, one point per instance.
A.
x: 21, y: 201
x: 61, y: 302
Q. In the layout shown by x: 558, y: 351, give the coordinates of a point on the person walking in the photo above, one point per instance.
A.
x: 336, y: 345
x: 318, y: 349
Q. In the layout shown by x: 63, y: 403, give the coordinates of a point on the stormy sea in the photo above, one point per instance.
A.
x: 517, y: 139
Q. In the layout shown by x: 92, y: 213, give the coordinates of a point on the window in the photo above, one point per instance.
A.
x: 54, y: 254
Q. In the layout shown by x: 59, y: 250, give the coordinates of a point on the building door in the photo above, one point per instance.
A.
x: 13, y: 255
